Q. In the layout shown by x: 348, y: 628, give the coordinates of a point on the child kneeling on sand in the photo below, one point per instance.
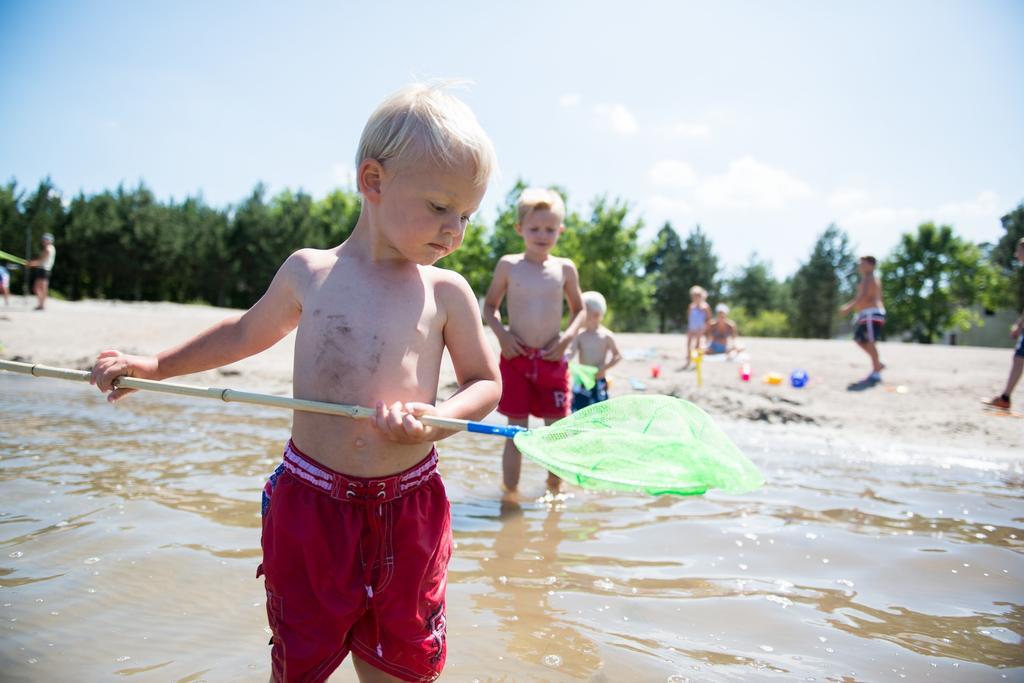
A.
x: 597, y: 351
x: 356, y: 529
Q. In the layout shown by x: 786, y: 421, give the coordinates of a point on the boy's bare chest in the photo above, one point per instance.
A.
x: 534, y: 280
x: 592, y: 345
x: 358, y: 321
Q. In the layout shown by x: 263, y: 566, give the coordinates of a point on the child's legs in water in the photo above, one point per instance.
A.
x: 511, y: 458
x: 554, y: 481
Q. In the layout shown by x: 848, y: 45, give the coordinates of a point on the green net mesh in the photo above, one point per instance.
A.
x: 655, y: 444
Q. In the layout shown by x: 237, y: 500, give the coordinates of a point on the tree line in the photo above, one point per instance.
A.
x: 126, y: 244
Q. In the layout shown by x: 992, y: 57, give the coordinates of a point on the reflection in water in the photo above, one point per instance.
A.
x: 129, y: 540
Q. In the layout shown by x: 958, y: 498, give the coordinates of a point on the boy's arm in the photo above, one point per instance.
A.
x: 616, y: 356
x: 577, y: 315
x: 270, y: 319
x: 476, y: 370
x: 848, y: 306
x: 510, y: 345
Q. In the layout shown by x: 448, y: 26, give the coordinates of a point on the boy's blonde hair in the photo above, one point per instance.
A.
x: 540, y: 198
x: 697, y: 289
x: 422, y: 120
x: 594, y: 301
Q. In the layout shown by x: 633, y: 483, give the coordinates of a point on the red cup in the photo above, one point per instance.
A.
x: 655, y: 371
x: 745, y: 372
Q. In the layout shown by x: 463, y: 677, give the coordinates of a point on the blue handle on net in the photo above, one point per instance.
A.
x: 507, y: 431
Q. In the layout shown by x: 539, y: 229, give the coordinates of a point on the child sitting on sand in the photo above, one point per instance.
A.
x: 697, y: 316
x: 534, y: 367
x: 356, y: 530
x: 597, y: 351
x: 723, y: 334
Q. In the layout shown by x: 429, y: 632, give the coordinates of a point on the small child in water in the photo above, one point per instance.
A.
x: 596, y: 347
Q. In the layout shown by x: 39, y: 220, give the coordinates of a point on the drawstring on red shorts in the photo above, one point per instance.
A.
x: 374, y: 554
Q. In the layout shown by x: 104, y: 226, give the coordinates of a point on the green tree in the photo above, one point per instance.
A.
x: 699, y: 265
x: 755, y: 288
x: 929, y: 281
x: 765, y: 324
x: 820, y: 285
x: 663, y: 270
x: 605, y: 251
x: 473, y: 259
x: 12, y: 231
x: 504, y: 239
x: 1003, y: 258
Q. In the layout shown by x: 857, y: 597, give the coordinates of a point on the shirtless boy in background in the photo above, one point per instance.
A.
x: 870, y: 311
x: 596, y: 347
x: 534, y: 366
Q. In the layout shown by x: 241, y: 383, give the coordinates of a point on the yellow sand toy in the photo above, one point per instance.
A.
x: 773, y: 378
x: 697, y: 356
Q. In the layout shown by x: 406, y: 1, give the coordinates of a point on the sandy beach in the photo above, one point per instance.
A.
x: 930, y: 396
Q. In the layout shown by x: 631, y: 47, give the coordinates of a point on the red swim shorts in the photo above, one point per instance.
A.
x: 534, y: 386
x: 355, y: 564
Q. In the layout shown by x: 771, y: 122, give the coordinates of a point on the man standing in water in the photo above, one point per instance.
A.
x: 39, y: 271
x: 870, y: 317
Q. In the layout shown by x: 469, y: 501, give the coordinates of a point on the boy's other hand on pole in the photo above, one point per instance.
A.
x: 400, y: 422
x: 111, y: 364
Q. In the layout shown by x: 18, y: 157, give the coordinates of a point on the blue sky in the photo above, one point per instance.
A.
x: 763, y: 122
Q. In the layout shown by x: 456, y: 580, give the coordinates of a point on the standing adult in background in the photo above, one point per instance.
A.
x: 39, y: 271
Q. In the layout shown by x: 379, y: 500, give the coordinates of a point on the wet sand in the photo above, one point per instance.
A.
x: 129, y: 536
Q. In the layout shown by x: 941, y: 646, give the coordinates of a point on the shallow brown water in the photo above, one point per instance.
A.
x: 129, y: 539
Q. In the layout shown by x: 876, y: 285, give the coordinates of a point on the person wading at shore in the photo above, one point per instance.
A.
x: 39, y: 271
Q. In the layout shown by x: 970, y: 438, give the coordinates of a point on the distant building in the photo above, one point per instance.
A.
x: 993, y: 331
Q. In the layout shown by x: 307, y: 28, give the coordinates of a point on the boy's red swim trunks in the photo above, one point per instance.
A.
x: 534, y: 386
x: 355, y: 564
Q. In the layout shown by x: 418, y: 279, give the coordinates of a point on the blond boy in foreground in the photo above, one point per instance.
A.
x: 534, y: 366
x: 870, y: 311
x: 356, y: 532
x: 596, y: 347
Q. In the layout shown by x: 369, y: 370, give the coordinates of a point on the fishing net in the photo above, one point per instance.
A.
x: 655, y: 444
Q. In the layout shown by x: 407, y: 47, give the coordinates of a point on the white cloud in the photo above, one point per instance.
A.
x: 618, y: 118
x: 846, y: 198
x: 984, y: 207
x: 668, y: 207
x: 683, y: 129
x: 879, y: 227
x: 569, y: 100
x: 672, y: 173
x: 750, y: 184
